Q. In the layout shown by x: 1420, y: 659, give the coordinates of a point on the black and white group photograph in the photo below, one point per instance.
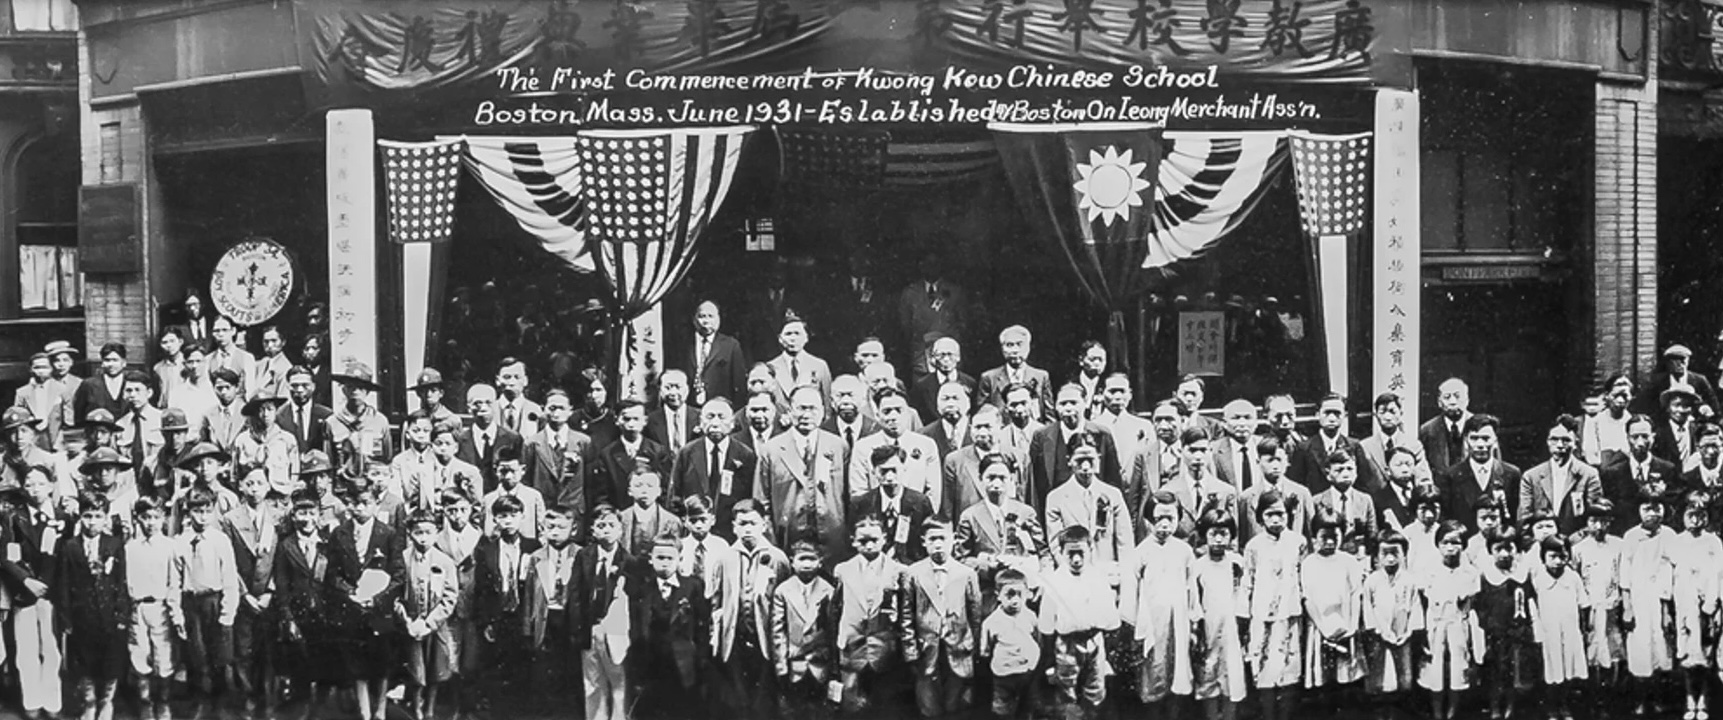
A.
x: 861, y: 359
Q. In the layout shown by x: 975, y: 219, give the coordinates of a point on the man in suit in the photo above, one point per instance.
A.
x: 1310, y: 460
x: 141, y: 427
x: 104, y: 390
x: 1190, y: 394
x: 793, y: 367
x: 1443, y: 436
x: 1282, y: 422
x: 304, y: 418
x: 230, y: 353
x: 1019, y: 423
x: 932, y: 305
x: 801, y: 478
x: 901, y: 510
x: 513, y: 410
x: 998, y: 531
x: 556, y: 457
x: 759, y: 423
x: 1561, y: 487
x: 1393, y: 501
x: 1014, y: 343
x: 1130, y: 433
x: 1390, y: 433
x: 919, y: 471
x: 1344, y: 499
x: 598, y: 621
x: 481, y: 441
x: 1677, y: 431
x: 1049, y: 464
x: 950, y: 428
x: 847, y: 420
x: 44, y: 398
x: 1706, y: 477
x: 942, y: 360
x: 961, y: 472
x: 1235, y: 461
x: 714, y: 360
x: 670, y: 629
x: 1676, y: 375
x: 1627, y: 477
x: 716, y: 466
x: 673, y: 424
x: 610, y: 471
x: 1091, y: 363
x: 1161, y: 457
x: 1094, y: 505
x: 1481, y: 472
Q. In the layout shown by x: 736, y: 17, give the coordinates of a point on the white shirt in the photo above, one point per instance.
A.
x: 482, y: 438
x: 1482, y: 473
x: 362, y: 537
x: 954, y: 431
x: 114, y: 384
x: 676, y: 426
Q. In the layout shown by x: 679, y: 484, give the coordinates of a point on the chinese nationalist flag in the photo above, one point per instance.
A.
x: 1091, y: 189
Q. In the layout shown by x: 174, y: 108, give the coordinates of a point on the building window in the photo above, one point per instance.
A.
x: 47, y: 227
x: 44, y: 16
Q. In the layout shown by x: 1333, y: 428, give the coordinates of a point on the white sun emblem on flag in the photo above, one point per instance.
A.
x: 1111, y: 185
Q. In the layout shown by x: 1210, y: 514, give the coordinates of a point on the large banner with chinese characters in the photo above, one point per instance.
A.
x: 1397, y: 246
x: 397, y: 45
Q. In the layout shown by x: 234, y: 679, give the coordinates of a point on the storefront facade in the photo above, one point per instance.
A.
x: 189, y: 107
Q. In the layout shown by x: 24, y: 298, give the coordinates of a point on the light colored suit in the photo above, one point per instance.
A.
x: 46, y: 401
x: 810, y: 370
x: 1563, y: 496
x: 961, y: 478
x: 1067, y: 505
x: 806, y: 501
x: 428, y: 593
x: 942, y: 618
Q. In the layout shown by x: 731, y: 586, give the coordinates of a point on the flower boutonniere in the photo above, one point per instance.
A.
x: 108, y: 567
x: 915, y: 453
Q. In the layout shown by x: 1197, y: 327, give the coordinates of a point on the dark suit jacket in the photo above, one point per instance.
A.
x: 300, y: 584
x: 1624, y: 491
x: 668, y: 634
x: 90, y: 594
x: 865, y: 426
x: 725, y: 373
x: 1390, y: 511
x: 1460, y: 491
x: 560, y: 477
x: 1309, y: 464
x: 93, y: 393
x: 21, y: 528
x: 1050, y: 465
x: 924, y: 395
x: 347, y: 562
x: 658, y: 430
x: 913, y: 508
x: 991, y: 389
x: 1650, y: 398
x: 692, y: 477
x: 946, y: 444
x: 1433, y: 435
x: 314, y: 438
x: 468, y: 450
x: 490, y: 605
x: 1663, y: 440
x: 610, y: 470
x: 590, y: 595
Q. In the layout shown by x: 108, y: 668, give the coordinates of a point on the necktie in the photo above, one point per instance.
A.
x: 700, y: 560
x: 305, y: 425
x: 705, y: 349
x: 509, y: 417
x: 484, y: 444
x: 795, y: 372
x: 1244, y: 465
x: 850, y: 436
x: 675, y: 431
x: 713, y: 468
x: 509, y: 574
x: 664, y: 590
x: 138, y: 443
x: 1454, y: 440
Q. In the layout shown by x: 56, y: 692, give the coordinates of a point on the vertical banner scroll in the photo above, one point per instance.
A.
x: 351, y: 181
x: 1396, y: 268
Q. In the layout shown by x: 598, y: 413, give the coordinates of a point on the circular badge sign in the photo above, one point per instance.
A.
x: 252, y: 281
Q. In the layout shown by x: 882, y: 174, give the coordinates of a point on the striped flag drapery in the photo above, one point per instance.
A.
x: 1331, y: 173
x: 1208, y: 183
x: 538, y: 181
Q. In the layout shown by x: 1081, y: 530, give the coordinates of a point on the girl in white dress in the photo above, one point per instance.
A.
x: 1333, y: 583
x: 1448, y: 590
x: 1561, y: 624
x: 1219, y: 657
x: 1697, y: 556
x: 1392, y: 614
x: 1271, y: 583
x: 1597, y: 559
x: 1647, y: 587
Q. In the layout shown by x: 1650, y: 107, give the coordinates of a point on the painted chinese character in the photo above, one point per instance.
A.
x: 1352, y: 31
x: 1396, y: 310
x: 1396, y: 287
x: 1079, y: 17
x: 705, y: 24
x: 1285, y: 29
x: 625, y: 24
x: 1396, y: 265
x: 1398, y: 382
x: 1154, y: 26
x: 417, y: 42
x: 343, y: 269
x: 1223, y: 23
x: 998, y: 13
x: 1397, y: 358
x: 557, y: 42
x: 344, y: 246
x: 481, y: 38
x: 1398, y: 334
x: 772, y: 17
x: 930, y: 21
x: 355, y: 47
x: 1396, y: 242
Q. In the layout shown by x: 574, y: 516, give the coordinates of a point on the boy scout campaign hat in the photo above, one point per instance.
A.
x: 314, y: 462
x: 428, y: 378
x: 19, y: 416
x: 358, y: 375
x: 252, y: 405
x: 100, y: 417
x: 101, y: 458
x: 188, y: 459
x: 174, y: 419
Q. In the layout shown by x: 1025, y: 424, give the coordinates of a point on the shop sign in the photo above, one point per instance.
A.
x: 108, y: 237
x: 1202, y: 343
x: 1491, y: 273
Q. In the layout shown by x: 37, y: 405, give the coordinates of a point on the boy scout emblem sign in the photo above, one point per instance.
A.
x: 252, y: 281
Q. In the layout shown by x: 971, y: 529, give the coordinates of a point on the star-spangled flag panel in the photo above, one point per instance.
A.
x: 421, y: 179
x: 847, y: 159
x: 1331, y: 173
